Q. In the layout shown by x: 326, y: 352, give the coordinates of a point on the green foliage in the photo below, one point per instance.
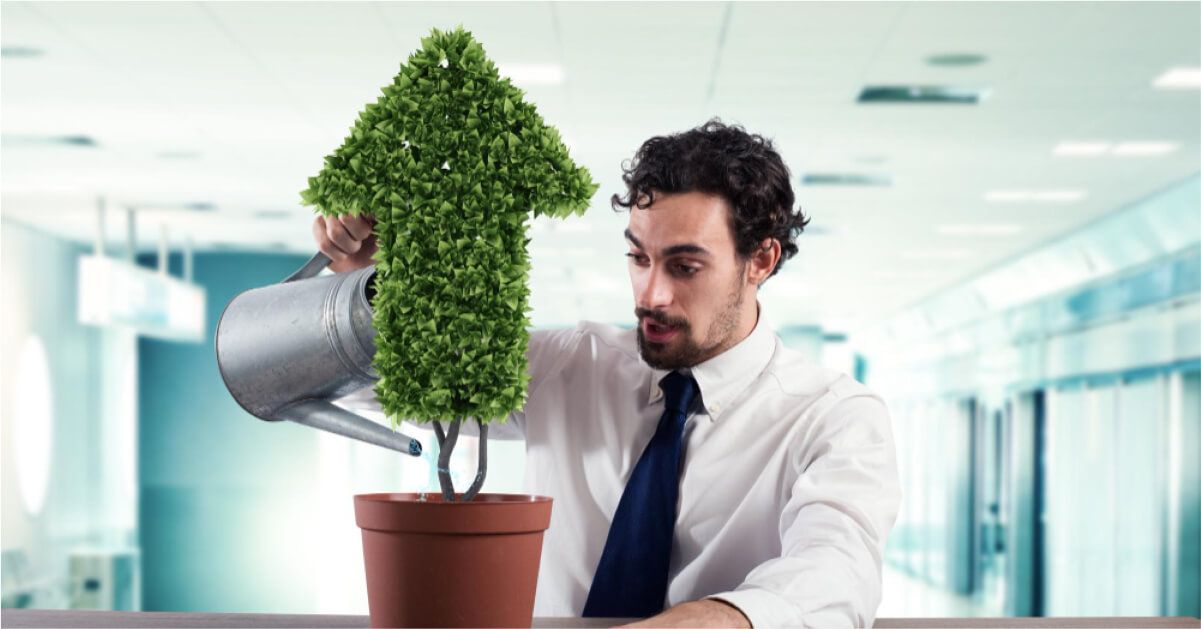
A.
x: 451, y: 161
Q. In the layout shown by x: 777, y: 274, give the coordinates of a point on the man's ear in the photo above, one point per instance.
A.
x: 763, y: 260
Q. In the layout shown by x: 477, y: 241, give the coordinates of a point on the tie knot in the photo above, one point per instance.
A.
x: 678, y: 389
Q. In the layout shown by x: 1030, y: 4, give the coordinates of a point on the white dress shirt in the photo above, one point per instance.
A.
x: 788, y: 486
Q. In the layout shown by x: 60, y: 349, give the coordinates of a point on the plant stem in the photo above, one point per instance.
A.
x: 439, y: 434
x: 483, y: 468
x: 448, y: 446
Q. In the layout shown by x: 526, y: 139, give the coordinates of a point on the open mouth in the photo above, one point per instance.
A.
x: 656, y: 332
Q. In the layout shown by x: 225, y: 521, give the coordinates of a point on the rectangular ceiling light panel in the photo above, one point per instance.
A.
x: 922, y: 94
x: 846, y: 179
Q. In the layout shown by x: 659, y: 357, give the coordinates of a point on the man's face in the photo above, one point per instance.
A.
x: 689, y: 286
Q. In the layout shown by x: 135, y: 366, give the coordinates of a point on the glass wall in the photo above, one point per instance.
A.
x: 1048, y: 450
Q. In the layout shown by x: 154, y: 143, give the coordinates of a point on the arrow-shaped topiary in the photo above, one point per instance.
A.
x: 451, y: 162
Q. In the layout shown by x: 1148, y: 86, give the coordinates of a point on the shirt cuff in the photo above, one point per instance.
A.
x: 761, y: 607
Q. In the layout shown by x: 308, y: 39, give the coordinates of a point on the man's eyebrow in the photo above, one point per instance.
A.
x: 672, y: 250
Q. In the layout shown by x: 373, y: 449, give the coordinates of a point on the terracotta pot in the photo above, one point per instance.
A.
x: 461, y: 564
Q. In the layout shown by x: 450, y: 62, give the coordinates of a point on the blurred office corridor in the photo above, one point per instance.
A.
x: 1050, y: 448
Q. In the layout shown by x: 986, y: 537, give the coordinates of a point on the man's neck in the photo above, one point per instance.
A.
x: 748, y: 329
x: 745, y: 329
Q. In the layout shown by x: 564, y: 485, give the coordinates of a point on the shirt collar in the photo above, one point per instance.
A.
x: 722, y: 378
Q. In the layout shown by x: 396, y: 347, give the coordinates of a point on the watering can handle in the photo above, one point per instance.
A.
x: 312, y: 267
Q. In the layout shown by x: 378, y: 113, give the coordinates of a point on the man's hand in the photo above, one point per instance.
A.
x: 347, y: 240
x: 703, y: 613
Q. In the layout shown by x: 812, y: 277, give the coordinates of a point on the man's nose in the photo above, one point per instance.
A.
x: 655, y: 292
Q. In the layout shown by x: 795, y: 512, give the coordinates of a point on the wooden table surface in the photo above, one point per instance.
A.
x: 15, y: 618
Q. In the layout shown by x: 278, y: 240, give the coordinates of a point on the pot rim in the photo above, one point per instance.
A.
x: 406, y: 497
x: 487, y: 514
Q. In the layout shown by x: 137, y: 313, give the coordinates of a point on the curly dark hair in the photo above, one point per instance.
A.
x: 725, y: 160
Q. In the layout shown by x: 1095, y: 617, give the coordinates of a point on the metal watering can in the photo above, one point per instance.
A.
x: 286, y: 350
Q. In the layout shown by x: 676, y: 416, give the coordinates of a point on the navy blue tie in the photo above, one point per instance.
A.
x: 631, y: 579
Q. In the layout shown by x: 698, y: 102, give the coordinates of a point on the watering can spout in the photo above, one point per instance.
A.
x: 287, y: 350
x: 322, y: 415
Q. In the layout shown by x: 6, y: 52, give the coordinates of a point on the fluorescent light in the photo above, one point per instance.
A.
x: 956, y: 59
x: 935, y: 254
x: 1081, y: 149
x: 1144, y: 149
x: 1039, y: 196
x: 846, y: 179
x: 20, y: 52
x: 1006, y: 196
x: 921, y: 94
x: 895, y: 275
x: 25, y: 140
x: 1124, y: 149
x: 1181, y: 78
x: 979, y: 230
x: 532, y: 73
x: 1058, y: 196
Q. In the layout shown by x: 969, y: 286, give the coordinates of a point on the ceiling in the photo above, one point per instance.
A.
x: 235, y: 105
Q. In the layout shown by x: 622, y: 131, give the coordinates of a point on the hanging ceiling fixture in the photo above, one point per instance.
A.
x: 123, y: 294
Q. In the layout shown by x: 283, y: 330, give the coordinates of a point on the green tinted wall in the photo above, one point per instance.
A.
x: 223, y: 494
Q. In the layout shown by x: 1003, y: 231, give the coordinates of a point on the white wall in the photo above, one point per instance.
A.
x: 90, y: 497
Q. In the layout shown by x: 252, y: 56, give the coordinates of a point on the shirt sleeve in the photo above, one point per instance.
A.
x: 833, y: 527
x: 544, y: 350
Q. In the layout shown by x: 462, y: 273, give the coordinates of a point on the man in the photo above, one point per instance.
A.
x: 695, y: 461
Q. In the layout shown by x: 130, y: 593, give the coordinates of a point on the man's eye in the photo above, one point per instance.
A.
x: 687, y: 270
x: 636, y: 258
